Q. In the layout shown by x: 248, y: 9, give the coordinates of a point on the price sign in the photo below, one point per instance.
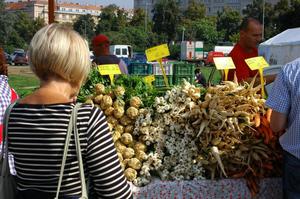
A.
x: 157, y: 52
x: 149, y: 79
x: 224, y: 63
x: 257, y: 63
x: 109, y: 69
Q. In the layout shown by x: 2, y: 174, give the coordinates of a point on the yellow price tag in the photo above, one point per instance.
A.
x: 157, y: 52
x: 109, y: 69
x: 222, y: 63
x: 258, y: 63
x: 149, y: 78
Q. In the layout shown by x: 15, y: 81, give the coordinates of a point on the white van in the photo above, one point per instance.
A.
x: 120, y: 51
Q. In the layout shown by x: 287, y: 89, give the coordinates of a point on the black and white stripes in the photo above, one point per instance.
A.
x: 36, y: 139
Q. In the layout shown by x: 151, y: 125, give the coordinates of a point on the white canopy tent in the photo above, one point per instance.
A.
x: 282, y: 48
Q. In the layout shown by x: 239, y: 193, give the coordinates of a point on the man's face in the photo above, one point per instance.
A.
x: 252, y: 36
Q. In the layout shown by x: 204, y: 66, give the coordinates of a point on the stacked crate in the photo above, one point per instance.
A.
x: 137, y: 68
x: 183, y: 70
x: 159, y: 78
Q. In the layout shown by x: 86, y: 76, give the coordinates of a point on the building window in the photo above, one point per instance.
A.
x: 63, y: 9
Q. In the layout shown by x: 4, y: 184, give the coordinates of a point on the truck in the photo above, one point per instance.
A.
x: 121, y: 51
x: 224, y: 49
x: 191, y: 51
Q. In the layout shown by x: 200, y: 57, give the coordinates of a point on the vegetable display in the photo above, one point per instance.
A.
x: 191, y: 132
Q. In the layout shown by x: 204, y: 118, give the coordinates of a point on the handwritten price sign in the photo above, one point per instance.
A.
x: 109, y: 69
x: 157, y: 52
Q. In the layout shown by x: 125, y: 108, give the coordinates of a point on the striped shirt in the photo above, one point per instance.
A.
x: 37, y: 135
x: 285, y: 98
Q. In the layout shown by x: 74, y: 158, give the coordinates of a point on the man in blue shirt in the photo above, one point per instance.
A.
x: 284, y: 99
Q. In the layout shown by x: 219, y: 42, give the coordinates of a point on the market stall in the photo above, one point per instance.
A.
x: 190, y: 141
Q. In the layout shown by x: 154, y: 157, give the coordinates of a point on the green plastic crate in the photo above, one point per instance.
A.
x: 159, y: 80
x: 183, y: 68
x: 178, y: 79
x: 140, y: 69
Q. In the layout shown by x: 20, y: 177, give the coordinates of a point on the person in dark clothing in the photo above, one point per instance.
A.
x: 100, y: 45
x: 199, y: 78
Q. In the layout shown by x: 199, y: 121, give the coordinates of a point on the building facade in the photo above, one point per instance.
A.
x: 64, y: 12
x: 212, y: 6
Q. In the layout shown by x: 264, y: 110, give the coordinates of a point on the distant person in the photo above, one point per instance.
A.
x: 38, y: 124
x: 250, y: 37
x: 100, y: 45
x: 8, y: 95
x: 199, y: 78
x: 284, y: 100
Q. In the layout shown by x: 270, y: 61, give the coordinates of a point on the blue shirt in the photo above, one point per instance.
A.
x: 285, y: 98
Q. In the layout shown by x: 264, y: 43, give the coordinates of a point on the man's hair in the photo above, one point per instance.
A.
x: 246, y: 21
x: 58, y: 51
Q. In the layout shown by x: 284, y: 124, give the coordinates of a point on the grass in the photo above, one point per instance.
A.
x: 23, y: 84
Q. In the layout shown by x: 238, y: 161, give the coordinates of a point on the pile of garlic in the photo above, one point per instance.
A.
x: 121, y: 118
x: 171, y: 127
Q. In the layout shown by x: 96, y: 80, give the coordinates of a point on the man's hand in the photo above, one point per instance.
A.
x: 278, y: 121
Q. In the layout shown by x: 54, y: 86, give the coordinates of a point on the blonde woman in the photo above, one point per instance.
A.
x: 38, y: 124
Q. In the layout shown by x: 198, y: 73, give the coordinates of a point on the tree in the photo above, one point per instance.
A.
x: 194, y: 11
x: 288, y: 16
x: 206, y: 31
x: 111, y: 19
x: 138, y: 18
x: 166, y: 17
x: 85, y: 25
x: 228, y: 22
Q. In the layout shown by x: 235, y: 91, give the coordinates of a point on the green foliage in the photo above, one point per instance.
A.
x: 112, y: 18
x: 17, y: 29
x: 228, y: 21
x: 136, y: 86
x: 85, y: 26
x: 194, y: 11
x: 138, y: 18
x: 174, y: 51
x: 88, y: 88
x: 288, y: 16
x: 166, y: 17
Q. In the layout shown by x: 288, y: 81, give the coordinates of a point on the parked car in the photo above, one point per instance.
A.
x: 8, y: 58
x: 209, y: 59
x: 20, y: 59
x: 139, y: 57
x: 18, y: 50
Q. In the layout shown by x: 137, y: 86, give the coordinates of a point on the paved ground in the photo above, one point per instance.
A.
x: 19, y: 70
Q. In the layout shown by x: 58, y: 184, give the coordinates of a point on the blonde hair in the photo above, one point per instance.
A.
x: 58, y: 51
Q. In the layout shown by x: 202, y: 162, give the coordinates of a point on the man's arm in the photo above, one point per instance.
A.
x: 268, y: 79
x: 278, y: 121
